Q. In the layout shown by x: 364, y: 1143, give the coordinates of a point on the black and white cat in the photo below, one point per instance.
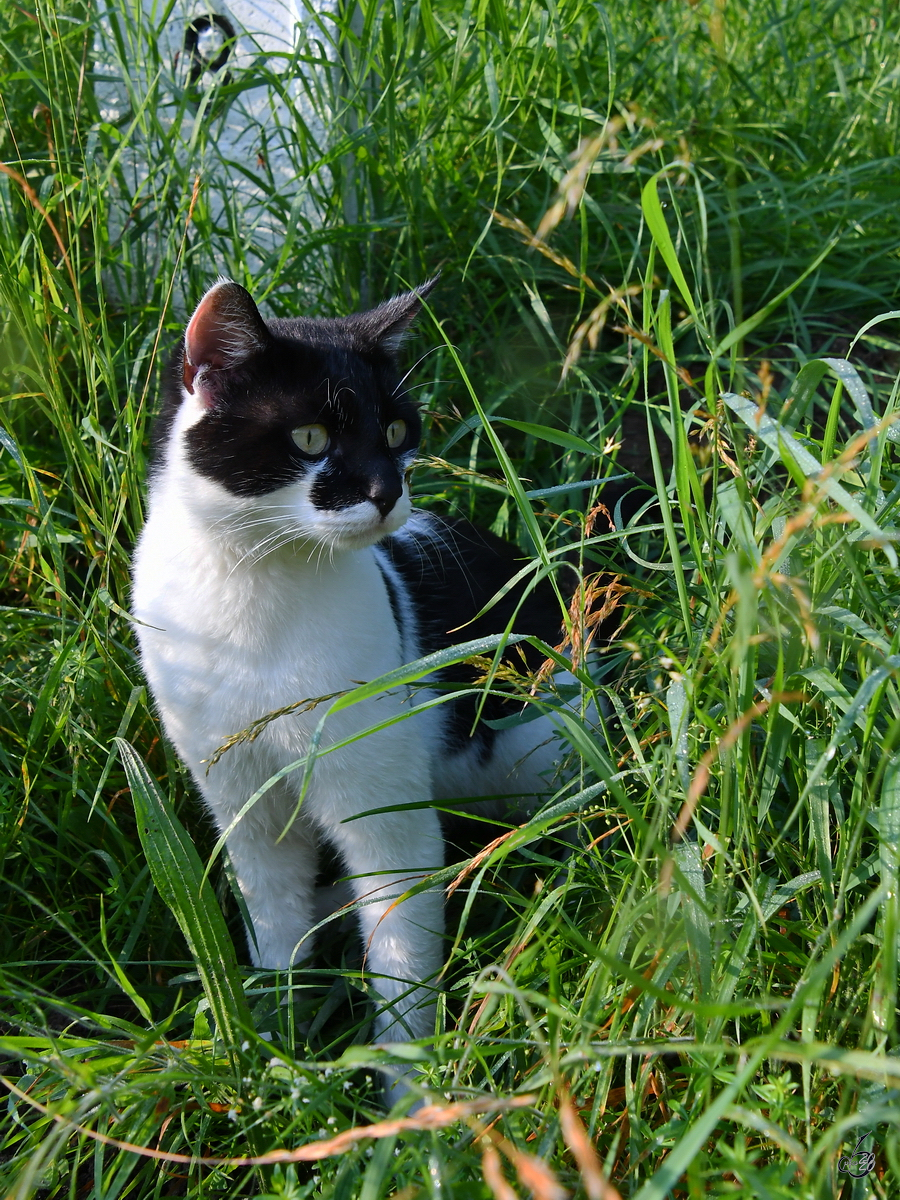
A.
x: 282, y: 560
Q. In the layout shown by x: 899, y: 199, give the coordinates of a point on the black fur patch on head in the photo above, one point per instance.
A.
x: 245, y: 442
x: 259, y: 381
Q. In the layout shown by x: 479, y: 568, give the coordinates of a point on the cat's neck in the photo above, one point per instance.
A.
x: 210, y: 579
x: 245, y: 534
x: 240, y: 542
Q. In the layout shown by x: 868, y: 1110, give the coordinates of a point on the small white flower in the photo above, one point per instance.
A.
x: 257, y: 1102
x: 331, y: 1121
x: 232, y: 1114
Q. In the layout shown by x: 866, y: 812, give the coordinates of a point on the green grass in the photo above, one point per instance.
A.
x: 709, y: 981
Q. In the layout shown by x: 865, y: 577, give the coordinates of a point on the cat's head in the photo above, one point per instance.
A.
x: 299, y: 428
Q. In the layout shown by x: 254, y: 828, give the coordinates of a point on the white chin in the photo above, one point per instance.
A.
x: 365, y: 529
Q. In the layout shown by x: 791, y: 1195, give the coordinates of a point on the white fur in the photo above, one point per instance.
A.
x: 250, y: 604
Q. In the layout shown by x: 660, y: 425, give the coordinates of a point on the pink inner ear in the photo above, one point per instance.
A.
x: 224, y: 331
x: 188, y: 372
x: 204, y: 334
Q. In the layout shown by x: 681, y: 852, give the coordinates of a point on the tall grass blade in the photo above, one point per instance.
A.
x: 178, y: 874
x: 795, y: 454
x: 659, y: 230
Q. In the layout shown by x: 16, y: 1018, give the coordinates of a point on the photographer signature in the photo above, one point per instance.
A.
x: 859, y: 1162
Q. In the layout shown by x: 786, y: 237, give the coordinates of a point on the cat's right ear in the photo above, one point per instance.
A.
x: 225, y: 330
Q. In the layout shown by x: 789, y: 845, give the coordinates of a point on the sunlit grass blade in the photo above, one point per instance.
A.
x: 178, y: 874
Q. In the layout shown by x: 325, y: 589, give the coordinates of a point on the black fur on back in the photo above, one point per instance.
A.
x: 451, y: 569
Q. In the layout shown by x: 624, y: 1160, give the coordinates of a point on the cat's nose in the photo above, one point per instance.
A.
x: 384, y: 493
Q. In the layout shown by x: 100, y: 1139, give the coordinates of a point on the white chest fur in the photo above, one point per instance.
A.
x: 227, y: 638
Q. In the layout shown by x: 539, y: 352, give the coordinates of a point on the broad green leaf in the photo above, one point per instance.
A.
x: 696, y: 919
x: 808, y: 379
x: 780, y: 736
x: 546, y: 433
x: 834, y: 692
x: 738, y: 518
x: 857, y: 624
x: 819, y: 802
x: 8, y: 443
x: 849, y: 377
x: 884, y: 997
x: 679, y: 711
x: 178, y: 874
x: 656, y: 223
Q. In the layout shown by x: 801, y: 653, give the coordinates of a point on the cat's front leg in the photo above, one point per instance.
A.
x: 276, y: 874
x: 386, y: 856
x: 277, y: 881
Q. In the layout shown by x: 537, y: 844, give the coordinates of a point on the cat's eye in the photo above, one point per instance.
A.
x: 312, y: 439
x: 395, y: 434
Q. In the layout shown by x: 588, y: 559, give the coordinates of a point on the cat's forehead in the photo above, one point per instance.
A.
x: 345, y: 334
x: 332, y: 378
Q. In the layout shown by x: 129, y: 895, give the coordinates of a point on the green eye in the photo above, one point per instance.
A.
x: 312, y: 439
x: 395, y: 434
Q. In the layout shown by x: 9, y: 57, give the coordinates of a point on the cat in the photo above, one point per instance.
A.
x: 281, y: 560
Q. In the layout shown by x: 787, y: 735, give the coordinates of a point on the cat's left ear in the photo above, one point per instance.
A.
x: 385, y: 327
x: 225, y: 330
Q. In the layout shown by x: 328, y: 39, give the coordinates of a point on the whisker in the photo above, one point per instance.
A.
x: 254, y: 553
x: 413, y: 367
x: 428, y: 383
